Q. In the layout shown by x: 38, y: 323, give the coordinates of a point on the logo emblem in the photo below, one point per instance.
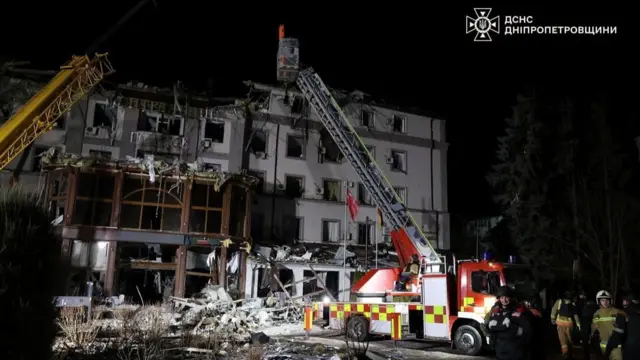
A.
x: 482, y: 25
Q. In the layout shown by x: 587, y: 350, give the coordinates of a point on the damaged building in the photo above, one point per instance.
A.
x: 182, y: 189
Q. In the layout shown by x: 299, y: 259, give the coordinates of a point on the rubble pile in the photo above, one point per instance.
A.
x: 213, y: 311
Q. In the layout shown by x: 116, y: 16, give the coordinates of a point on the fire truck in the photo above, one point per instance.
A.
x: 448, y: 298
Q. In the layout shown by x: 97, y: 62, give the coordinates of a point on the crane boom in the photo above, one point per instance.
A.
x: 75, y: 79
x: 407, y: 236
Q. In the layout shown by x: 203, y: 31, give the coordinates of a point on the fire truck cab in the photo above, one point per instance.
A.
x: 447, y: 304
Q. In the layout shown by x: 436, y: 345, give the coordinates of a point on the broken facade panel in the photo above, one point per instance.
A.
x: 146, y: 226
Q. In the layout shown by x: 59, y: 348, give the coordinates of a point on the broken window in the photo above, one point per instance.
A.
x: 58, y: 193
x: 365, y: 233
x: 293, y: 228
x: 297, y: 106
x: 36, y: 163
x: 157, y: 156
x: 206, y: 209
x: 214, y: 131
x: 94, y: 199
x: 331, y: 190
x: 150, y: 206
x: 402, y: 193
x: 260, y: 176
x: 330, y: 230
x: 103, y: 116
x: 328, y: 151
x: 364, y: 197
x: 366, y: 118
x: 294, y: 186
x: 258, y: 142
x: 399, y: 160
x: 237, y: 211
x: 211, y: 167
x: 154, y: 122
x: 399, y: 124
x: 101, y: 155
x: 295, y: 147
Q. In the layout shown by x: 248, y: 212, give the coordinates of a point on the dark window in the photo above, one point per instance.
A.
x: 214, y: 131
x: 366, y: 118
x: 150, y: 206
x: 206, y: 209
x: 258, y: 142
x: 295, y: 147
x: 483, y: 282
x: 94, y: 199
x: 399, y: 124
x: 103, y: 116
x: 294, y: 186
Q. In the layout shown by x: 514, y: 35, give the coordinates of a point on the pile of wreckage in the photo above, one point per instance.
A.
x: 213, y: 311
x: 324, y: 254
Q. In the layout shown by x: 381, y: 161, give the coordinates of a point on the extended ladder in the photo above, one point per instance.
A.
x: 355, y: 151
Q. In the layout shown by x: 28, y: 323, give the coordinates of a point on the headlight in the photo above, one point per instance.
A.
x: 326, y: 300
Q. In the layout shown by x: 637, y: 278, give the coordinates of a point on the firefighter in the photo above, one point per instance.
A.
x: 586, y: 308
x: 603, y: 325
x: 626, y: 331
x: 412, y: 268
x: 508, y: 327
x: 564, y: 315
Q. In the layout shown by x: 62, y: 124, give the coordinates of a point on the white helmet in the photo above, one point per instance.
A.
x: 603, y: 294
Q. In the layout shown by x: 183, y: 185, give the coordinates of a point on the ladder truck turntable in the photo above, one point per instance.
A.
x: 446, y: 305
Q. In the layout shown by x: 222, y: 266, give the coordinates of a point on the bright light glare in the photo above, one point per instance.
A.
x: 326, y: 300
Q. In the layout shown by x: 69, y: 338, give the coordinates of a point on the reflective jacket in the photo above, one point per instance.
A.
x: 604, y: 323
x: 564, y: 313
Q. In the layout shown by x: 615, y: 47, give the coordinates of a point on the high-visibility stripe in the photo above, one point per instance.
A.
x: 396, y: 326
x: 415, y: 307
x: 604, y: 319
x: 308, y: 318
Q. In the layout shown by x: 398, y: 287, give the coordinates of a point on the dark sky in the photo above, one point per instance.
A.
x: 414, y: 55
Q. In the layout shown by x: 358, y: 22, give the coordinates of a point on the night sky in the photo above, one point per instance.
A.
x: 414, y: 55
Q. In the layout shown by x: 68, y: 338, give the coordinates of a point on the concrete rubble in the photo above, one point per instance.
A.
x: 213, y: 311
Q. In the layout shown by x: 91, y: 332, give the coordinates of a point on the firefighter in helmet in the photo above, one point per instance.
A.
x: 564, y: 316
x: 626, y: 330
x: 603, y: 325
x: 508, y: 327
x: 412, y: 268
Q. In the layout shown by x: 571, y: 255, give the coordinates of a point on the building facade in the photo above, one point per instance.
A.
x: 305, y: 179
x: 282, y: 142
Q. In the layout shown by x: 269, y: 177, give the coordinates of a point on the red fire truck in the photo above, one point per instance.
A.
x: 448, y: 298
x: 449, y: 303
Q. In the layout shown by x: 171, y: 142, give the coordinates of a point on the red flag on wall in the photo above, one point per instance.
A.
x: 353, y: 206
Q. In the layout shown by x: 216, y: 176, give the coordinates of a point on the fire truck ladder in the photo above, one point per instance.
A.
x: 364, y: 164
x: 39, y: 114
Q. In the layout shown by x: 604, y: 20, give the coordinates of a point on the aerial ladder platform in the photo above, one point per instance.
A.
x: 407, y: 236
x: 39, y: 115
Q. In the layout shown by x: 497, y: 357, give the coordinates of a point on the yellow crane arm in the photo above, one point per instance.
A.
x: 39, y: 114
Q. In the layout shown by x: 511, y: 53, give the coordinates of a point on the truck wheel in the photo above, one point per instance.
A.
x: 468, y: 340
x: 358, y: 328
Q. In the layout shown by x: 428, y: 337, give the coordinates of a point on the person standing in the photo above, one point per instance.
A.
x: 509, y: 327
x: 626, y: 331
x: 564, y: 316
x: 604, y: 321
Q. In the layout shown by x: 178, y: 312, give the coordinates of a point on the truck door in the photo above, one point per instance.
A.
x: 435, y: 300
